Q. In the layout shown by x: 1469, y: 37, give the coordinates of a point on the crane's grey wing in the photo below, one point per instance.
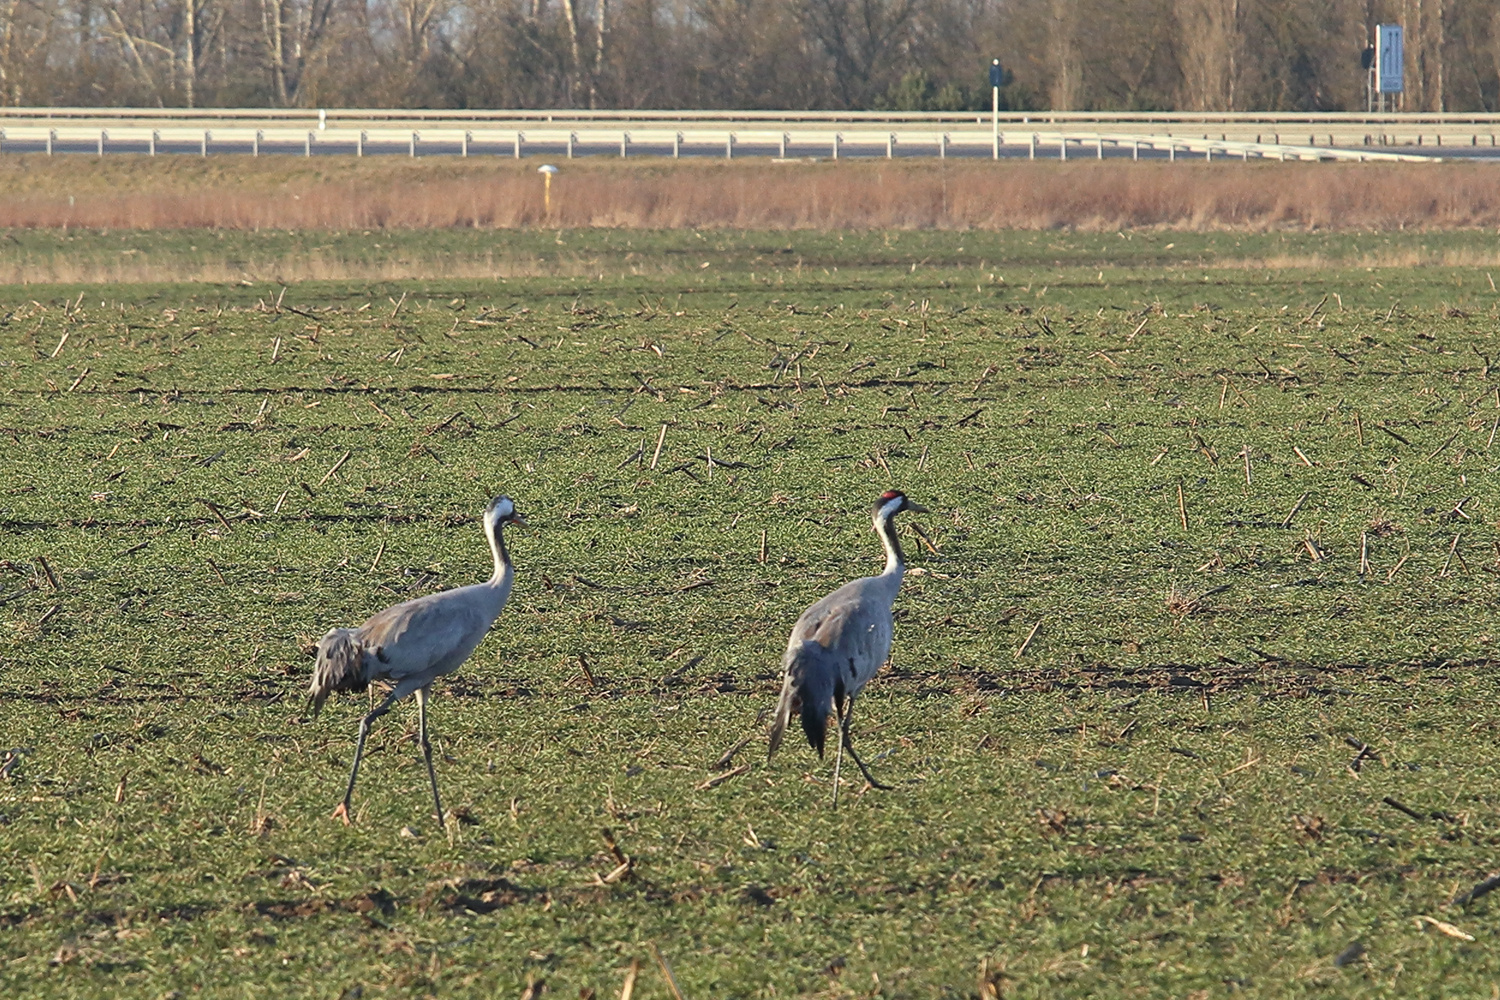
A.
x: 854, y: 625
x: 340, y: 667
x: 431, y: 635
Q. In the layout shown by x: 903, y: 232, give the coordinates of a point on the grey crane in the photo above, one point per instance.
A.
x: 839, y: 643
x: 414, y: 643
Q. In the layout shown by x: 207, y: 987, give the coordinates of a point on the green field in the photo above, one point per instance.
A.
x: 1193, y: 696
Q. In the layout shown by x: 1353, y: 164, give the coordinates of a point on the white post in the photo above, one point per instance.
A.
x: 729, y: 146
x: 624, y: 142
x: 413, y: 147
x: 206, y: 136
x: 1135, y: 149
x: 1208, y: 153
x: 359, y: 144
x: 1171, y: 152
x: 51, y: 138
x: 1031, y: 147
x: 1062, y: 148
x: 1100, y: 144
x: 890, y: 145
x: 676, y: 145
x: 784, y: 139
x: 307, y: 145
x: 572, y: 138
x: 995, y: 121
x: 102, y: 134
x: 837, y: 137
x: 943, y: 146
x: 154, y: 136
x: 465, y: 147
x: 520, y: 138
x: 255, y: 144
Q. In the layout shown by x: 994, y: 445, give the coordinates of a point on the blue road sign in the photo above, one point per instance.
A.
x: 1388, y: 56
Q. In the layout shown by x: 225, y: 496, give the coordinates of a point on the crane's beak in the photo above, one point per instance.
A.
x: 516, y: 518
x: 915, y: 507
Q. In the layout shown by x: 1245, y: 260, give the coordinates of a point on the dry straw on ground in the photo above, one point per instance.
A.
x: 338, y: 193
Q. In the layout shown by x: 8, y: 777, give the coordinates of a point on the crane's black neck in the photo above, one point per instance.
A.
x: 885, y: 527
x: 496, y: 532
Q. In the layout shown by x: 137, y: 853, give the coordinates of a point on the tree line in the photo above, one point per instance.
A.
x: 1085, y: 55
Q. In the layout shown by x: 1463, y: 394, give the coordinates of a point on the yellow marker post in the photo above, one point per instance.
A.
x: 546, y: 170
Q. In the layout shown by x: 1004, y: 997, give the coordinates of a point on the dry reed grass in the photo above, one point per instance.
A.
x: 60, y: 269
x: 137, y: 193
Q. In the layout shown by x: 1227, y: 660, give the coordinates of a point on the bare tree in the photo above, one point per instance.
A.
x: 295, y: 32
x: 575, y: 82
x: 1439, y: 53
x: 26, y: 29
x: 1209, y: 53
x: 417, y: 20
x: 1067, y: 60
x: 598, y: 70
x: 1494, y: 48
x: 1066, y: 54
x: 864, y: 39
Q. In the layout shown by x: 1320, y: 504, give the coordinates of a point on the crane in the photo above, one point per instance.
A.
x: 414, y: 643
x: 839, y: 643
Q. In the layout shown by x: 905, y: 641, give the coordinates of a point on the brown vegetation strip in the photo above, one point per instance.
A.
x: 350, y: 194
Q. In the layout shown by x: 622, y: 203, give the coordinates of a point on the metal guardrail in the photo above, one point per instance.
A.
x: 336, y: 117
x: 789, y: 142
x: 1224, y: 148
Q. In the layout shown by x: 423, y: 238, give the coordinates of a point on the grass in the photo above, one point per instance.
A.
x: 238, y: 193
x: 872, y: 266
x: 1163, y: 795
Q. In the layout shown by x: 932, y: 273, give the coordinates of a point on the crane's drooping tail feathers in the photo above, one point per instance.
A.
x: 808, y: 690
x: 784, y: 709
x: 340, y: 667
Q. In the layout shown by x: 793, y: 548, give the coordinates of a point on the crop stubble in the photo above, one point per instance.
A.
x: 1189, y: 689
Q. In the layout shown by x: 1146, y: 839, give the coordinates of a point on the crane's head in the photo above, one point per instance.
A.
x: 893, y: 502
x: 502, y: 510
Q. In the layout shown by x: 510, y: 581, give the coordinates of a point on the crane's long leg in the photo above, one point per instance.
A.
x: 422, y: 693
x: 845, y: 742
x: 342, y: 812
x: 838, y: 755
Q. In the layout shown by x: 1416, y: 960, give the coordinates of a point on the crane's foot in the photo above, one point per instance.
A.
x: 342, y: 812
x: 869, y: 778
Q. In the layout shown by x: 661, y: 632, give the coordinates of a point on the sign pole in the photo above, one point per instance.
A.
x: 995, y: 109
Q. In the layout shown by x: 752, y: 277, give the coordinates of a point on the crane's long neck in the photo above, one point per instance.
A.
x: 895, y: 562
x: 503, y: 568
